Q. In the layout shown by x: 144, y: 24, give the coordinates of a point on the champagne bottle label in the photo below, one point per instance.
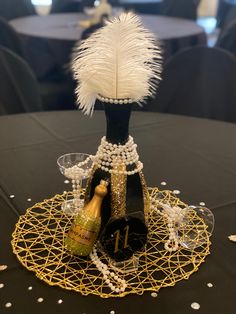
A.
x: 82, y: 235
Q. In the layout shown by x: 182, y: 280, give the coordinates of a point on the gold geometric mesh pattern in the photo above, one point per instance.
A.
x: 38, y: 242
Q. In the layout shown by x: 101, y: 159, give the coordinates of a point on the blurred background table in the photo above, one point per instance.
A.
x: 195, y: 156
x: 140, y: 6
x: 62, y: 31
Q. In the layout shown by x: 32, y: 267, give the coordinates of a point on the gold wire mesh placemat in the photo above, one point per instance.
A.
x: 38, y: 242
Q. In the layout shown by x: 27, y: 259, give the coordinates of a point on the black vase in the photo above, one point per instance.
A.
x: 136, y: 195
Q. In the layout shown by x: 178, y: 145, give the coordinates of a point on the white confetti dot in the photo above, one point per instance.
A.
x: 66, y: 181
x: 60, y: 301
x: 163, y: 183
x: 154, y: 294
x: 195, y: 306
x: 64, y: 192
x: 40, y: 300
x: 3, y: 267
x: 176, y: 192
x: 202, y: 204
x: 12, y: 196
x: 30, y: 288
x: 112, y: 312
x: 210, y: 285
x: 8, y: 304
x: 232, y: 237
x: 1, y: 285
x: 29, y: 199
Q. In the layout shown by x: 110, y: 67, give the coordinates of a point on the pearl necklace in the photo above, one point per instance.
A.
x: 172, y: 244
x: 107, y: 275
x: 112, y: 157
x: 173, y: 215
x: 115, y: 100
x: 76, y: 173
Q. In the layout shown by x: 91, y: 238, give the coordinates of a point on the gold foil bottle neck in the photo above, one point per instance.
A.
x: 93, y: 208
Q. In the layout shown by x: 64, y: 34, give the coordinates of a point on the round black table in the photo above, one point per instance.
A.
x: 192, y: 155
x: 141, y: 6
x: 50, y: 39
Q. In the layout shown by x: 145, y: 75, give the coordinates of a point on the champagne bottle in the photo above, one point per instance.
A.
x: 86, y: 226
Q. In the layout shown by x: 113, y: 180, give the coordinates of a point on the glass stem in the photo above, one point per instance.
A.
x: 78, y: 192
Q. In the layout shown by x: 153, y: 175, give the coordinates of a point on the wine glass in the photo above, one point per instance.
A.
x: 76, y: 167
x: 196, y: 227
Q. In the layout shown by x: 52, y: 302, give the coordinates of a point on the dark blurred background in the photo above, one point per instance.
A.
x: 198, y: 40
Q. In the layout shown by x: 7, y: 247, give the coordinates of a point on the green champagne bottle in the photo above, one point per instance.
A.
x: 86, y: 226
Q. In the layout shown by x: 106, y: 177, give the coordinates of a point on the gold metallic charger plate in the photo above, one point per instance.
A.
x: 38, y: 242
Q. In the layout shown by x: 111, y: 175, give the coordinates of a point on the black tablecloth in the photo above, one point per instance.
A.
x: 192, y: 155
x: 49, y: 39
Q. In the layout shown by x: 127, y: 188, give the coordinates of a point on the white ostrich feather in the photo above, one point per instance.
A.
x: 120, y: 60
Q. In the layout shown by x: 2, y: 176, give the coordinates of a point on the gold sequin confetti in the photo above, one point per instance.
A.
x: 210, y: 285
x: 30, y: 288
x: 1, y: 285
x: 12, y: 196
x: 60, y: 301
x: 66, y: 181
x: 38, y: 242
x: 195, y: 306
x: 112, y: 312
x: 40, y: 300
x: 154, y: 294
x: 29, y: 199
x: 3, y: 267
x: 118, y: 195
x: 202, y: 204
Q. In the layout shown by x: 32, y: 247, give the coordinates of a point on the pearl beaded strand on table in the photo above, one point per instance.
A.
x: 107, y: 274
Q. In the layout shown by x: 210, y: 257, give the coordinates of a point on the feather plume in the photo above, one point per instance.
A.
x: 120, y: 60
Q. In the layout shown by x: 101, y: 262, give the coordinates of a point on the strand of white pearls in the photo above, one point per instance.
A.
x: 76, y: 173
x: 76, y: 184
x: 114, y: 100
x: 112, y: 157
x: 108, y: 275
x: 172, y: 244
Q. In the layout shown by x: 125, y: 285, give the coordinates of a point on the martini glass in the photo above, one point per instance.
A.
x: 196, y: 228
x: 75, y: 167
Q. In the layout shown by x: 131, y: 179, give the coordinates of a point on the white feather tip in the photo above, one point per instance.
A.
x: 121, y: 60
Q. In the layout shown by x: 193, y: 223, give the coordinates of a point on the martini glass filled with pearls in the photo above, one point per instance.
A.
x: 188, y: 227
x: 75, y: 167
